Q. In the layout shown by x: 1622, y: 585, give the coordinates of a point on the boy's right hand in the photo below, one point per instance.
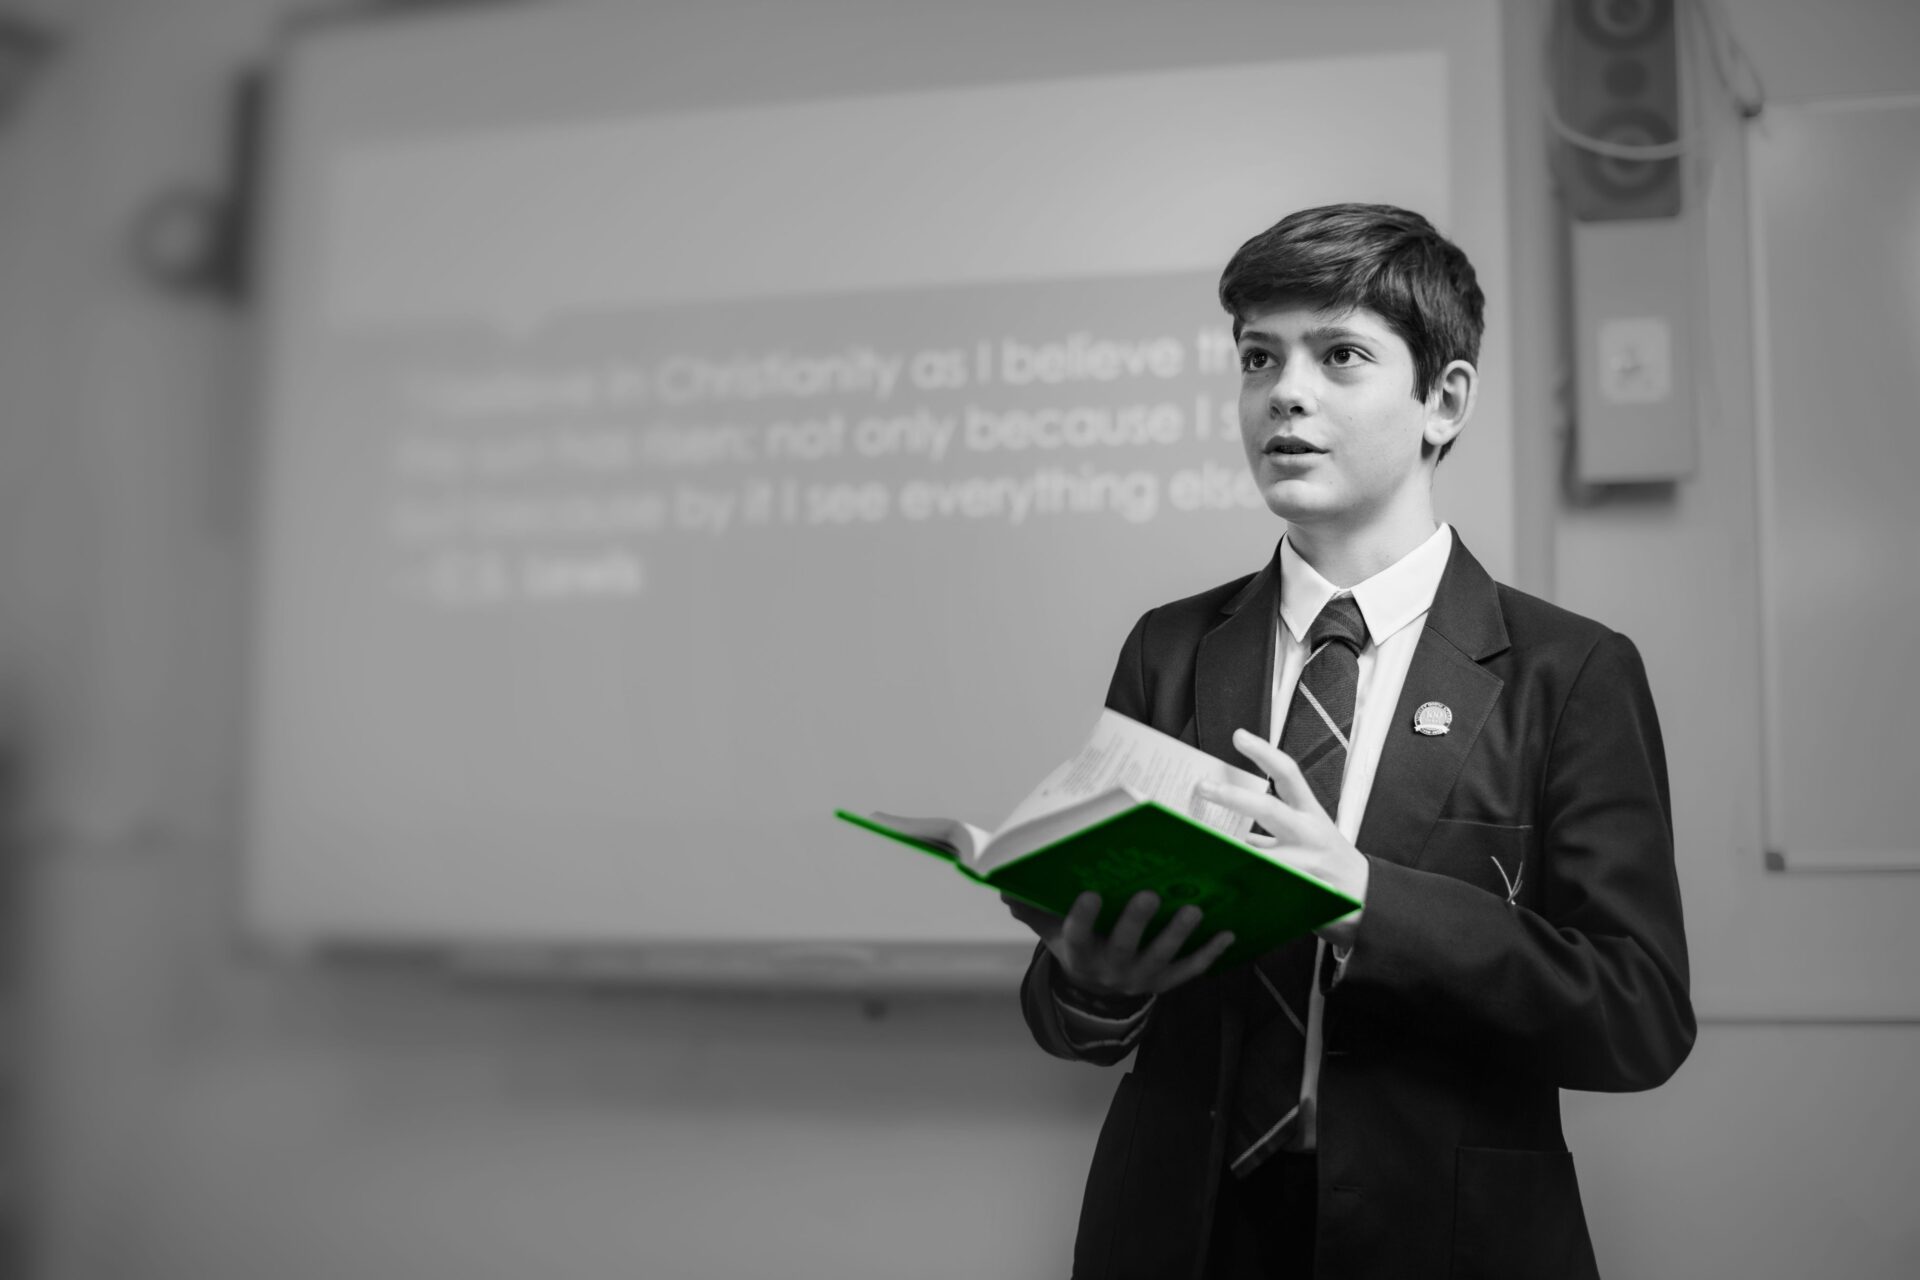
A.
x: 1116, y: 965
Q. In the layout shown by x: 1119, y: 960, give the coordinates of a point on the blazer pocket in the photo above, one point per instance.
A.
x: 1487, y: 855
x: 1517, y: 1216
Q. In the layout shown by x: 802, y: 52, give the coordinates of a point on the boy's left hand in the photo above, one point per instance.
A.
x: 1303, y: 836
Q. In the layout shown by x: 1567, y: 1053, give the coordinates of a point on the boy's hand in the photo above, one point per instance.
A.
x: 1116, y: 964
x: 1303, y: 835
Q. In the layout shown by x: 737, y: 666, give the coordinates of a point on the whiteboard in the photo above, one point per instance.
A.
x: 649, y: 459
x: 1836, y: 208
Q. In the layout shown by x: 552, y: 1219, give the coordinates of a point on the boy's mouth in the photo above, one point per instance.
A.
x: 1290, y: 445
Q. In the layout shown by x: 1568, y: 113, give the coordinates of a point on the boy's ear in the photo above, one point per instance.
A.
x: 1450, y: 404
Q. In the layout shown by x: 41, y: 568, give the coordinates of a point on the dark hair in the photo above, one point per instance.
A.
x: 1391, y: 261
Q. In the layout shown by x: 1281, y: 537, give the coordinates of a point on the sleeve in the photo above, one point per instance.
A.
x: 1071, y: 1023
x: 1586, y: 987
x: 1066, y: 1021
x: 1127, y: 690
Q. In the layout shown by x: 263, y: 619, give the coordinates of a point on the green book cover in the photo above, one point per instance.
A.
x: 1144, y: 845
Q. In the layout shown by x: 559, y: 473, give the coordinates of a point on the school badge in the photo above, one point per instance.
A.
x: 1433, y: 719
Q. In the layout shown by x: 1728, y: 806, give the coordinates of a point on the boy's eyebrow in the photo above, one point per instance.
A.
x: 1334, y: 333
x: 1318, y: 334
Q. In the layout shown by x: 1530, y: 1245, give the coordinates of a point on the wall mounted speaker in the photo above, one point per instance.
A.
x: 1616, y: 72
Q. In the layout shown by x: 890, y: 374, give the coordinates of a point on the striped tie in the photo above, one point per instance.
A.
x: 1319, y: 722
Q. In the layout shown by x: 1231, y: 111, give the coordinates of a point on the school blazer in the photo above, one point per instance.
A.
x: 1522, y: 935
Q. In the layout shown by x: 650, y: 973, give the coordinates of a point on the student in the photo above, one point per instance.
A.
x: 1483, y: 771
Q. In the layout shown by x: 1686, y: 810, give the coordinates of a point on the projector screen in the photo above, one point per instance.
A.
x: 670, y: 438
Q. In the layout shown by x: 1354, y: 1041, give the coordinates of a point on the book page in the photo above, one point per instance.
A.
x: 1152, y: 765
x: 965, y: 839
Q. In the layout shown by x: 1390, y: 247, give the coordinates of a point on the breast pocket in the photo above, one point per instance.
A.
x: 1486, y: 855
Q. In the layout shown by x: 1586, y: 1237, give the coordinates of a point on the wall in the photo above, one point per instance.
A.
x: 1781, y: 1148
x: 201, y: 1114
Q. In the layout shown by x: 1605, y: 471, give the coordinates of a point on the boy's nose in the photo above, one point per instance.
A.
x: 1291, y: 394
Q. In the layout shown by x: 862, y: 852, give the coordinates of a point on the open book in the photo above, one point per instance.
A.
x: 1120, y: 816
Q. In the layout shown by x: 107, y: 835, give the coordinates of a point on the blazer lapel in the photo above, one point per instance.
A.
x: 1416, y: 772
x: 1233, y: 668
x: 1233, y: 689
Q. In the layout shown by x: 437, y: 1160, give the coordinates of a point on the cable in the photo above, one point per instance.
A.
x: 1549, y: 95
x: 1714, y: 32
x: 1721, y: 42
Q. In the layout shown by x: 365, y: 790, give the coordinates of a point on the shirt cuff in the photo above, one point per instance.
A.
x: 1094, y: 1021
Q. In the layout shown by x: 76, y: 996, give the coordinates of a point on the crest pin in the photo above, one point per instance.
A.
x: 1433, y: 719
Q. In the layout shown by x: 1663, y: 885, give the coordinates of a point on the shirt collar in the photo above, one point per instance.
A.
x: 1389, y: 600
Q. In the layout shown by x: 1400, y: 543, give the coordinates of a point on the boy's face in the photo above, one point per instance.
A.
x: 1328, y: 416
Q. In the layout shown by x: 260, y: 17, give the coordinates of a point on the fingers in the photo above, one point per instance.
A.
x: 1291, y: 785
x: 1140, y: 909
x: 1076, y: 931
x: 1155, y: 968
x: 1117, y: 962
x: 1160, y: 954
x: 1263, y: 809
x: 1288, y: 782
x: 1167, y: 943
x: 1197, y: 963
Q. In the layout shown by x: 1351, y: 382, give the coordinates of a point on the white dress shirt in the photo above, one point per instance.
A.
x: 1394, y: 603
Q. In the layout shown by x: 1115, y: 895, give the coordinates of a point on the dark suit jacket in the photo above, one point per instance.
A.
x: 1463, y: 1010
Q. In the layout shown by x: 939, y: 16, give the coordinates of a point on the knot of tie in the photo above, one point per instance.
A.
x: 1339, y: 620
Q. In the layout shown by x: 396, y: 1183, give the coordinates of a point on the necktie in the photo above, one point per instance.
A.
x: 1319, y: 722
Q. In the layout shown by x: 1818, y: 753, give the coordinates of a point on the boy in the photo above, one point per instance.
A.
x: 1483, y: 771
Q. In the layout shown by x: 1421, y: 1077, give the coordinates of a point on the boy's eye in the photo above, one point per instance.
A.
x: 1342, y: 357
x: 1253, y: 361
